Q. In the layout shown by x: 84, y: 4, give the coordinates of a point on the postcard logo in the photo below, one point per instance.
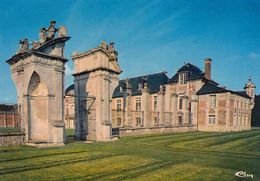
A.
x: 243, y: 174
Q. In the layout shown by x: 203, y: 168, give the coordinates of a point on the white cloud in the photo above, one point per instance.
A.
x: 254, y: 55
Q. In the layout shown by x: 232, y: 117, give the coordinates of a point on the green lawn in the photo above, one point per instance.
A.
x: 181, y: 156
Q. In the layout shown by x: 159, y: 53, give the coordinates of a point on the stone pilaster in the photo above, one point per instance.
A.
x: 194, y: 109
x: 161, y: 100
x: 174, y: 109
x: 145, y: 105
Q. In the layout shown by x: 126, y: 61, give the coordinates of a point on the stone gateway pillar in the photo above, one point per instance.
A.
x: 96, y: 75
x: 38, y: 73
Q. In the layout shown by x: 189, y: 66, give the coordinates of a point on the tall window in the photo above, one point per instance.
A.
x: 138, y: 104
x: 118, y: 105
x: 155, y: 103
x: 183, y: 78
x: 213, y: 101
x: 212, y: 119
x: 180, y: 103
x: 138, y: 121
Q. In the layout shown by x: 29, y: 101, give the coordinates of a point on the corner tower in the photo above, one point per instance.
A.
x: 96, y: 75
x: 250, y: 90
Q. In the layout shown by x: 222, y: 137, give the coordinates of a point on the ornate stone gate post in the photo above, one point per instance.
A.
x: 95, y: 78
x: 38, y: 73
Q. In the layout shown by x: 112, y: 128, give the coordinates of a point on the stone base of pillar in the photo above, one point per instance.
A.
x: 44, y: 145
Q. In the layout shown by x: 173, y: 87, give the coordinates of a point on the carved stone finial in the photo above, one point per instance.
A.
x: 42, y: 35
x: 51, y: 30
x: 24, y: 45
x: 103, y: 45
x: 111, y: 47
x: 62, y: 32
x: 35, y: 44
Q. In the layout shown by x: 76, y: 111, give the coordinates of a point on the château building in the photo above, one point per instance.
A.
x: 190, y: 100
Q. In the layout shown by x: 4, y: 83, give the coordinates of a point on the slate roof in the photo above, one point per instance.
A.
x: 153, y: 82
x: 212, y: 88
x: 71, y: 87
x: 194, y: 73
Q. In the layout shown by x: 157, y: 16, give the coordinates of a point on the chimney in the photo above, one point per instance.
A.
x: 208, y: 68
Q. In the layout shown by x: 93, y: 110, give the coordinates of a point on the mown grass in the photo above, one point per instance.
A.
x: 181, y: 156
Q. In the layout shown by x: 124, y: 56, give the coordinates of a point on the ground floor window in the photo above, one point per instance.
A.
x: 212, y: 119
x: 118, y: 121
x: 138, y: 121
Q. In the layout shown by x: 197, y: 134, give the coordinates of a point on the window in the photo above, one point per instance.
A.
x: 138, y: 121
x: 155, y: 103
x: 211, y: 119
x: 213, y: 101
x: 180, y: 103
x: 118, y: 105
x: 183, y: 78
x: 118, y: 121
x: 156, y: 121
x: 138, y: 104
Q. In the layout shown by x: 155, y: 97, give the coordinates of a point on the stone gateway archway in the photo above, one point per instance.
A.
x: 96, y: 76
x: 38, y: 73
x: 38, y: 109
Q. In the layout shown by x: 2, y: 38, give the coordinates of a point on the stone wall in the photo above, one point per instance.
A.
x: 10, y: 139
x: 154, y: 130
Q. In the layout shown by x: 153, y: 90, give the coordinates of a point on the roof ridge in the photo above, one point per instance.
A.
x: 163, y: 72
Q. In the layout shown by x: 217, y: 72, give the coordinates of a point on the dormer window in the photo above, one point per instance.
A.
x: 140, y: 86
x: 183, y: 78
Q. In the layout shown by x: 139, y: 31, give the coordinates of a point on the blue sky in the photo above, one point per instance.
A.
x: 150, y: 35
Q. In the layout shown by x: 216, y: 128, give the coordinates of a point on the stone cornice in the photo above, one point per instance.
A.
x: 96, y: 69
x: 91, y: 51
x: 52, y: 42
x: 38, y: 52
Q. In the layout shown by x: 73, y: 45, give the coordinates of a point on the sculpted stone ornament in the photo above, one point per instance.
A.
x: 35, y: 44
x: 111, y: 48
x: 103, y: 45
x: 112, y: 51
x: 51, y: 31
x: 24, y: 45
x: 42, y: 35
x: 62, y: 32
